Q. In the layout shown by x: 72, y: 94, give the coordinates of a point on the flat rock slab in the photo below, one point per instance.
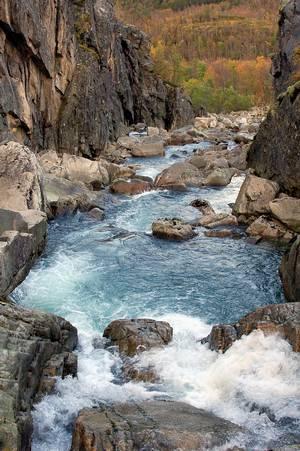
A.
x: 152, y: 425
x: 136, y: 335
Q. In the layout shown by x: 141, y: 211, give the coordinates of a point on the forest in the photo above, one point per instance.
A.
x: 218, y: 51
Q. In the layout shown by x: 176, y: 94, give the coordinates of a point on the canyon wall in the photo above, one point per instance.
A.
x: 72, y: 76
x: 275, y: 153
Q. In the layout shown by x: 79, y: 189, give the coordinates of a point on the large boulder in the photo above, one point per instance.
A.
x: 287, y: 210
x: 254, y: 198
x: 66, y: 197
x: 131, y: 187
x: 185, y: 174
x: 22, y: 239
x: 136, y: 335
x: 269, y: 229
x: 219, y: 177
x: 155, y: 425
x: 147, y: 146
x: 282, y: 319
x: 20, y: 179
x: 35, y: 348
x: 172, y: 229
x: 290, y: 272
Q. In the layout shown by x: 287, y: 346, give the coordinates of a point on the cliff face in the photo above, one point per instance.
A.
x: 275, y: 153
x: 71, y: 76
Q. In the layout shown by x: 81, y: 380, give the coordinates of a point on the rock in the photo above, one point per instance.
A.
x: 282, y: 319
x: 269, y: 229
x: 172, y: 229
x: 200, y: 161
x: 182, y: 136
x: 137, y: 335
x: 136, y: 373
x: 179, y: 174
x: 204, y: 206
x: 22, y: 239
x: 287, y: 210
x: 20, y: 179
x: 65, y: 197
x: 243, y: 138
x: 148, y: 146
x: 32, y: 343
x: 274, y: 153
x: 97, y: 72
x: 219, y: 177
x: 96, y: 213
x: 155, y: 425
x: 205, y: 122
x: 131, y: 187
x: 254, y: 197
x: 290, y: 272
x: 153, y: 131
x: 218, y: 219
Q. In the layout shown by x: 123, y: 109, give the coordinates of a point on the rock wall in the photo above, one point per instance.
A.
x: 72, y: 76
x: 275, y: 152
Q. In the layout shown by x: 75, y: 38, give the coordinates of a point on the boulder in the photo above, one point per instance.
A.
x: 290, y: 272
x: 254, y: 198
x: 287, y: 210
x: 66, y: 197
x: 22, y: 239
x: 212, y: 221
x: 20, y: 179
x: 282, y: 319
x: 35, y: 348
x: 269, y: 229
x: 96, y: 213
x: 132, y: 187
x: 172, y: 229
x: 136, y: 335
x: 222, y: 233
x: 153, y: 131
x: 179, y: 174
x: 204, y: 206
x: 147, y: 146
x: 150, y: 425
x: 219, y: 177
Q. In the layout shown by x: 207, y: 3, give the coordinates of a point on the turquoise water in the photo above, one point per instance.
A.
x: 95, y: 272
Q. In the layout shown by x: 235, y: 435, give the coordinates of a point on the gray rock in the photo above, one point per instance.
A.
x: 34, y: 348
x: 290, y: 272
x: 136, y: 335
x: 155, y: 425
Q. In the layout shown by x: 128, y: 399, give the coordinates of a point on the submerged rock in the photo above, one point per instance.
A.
x: 35, y: 348
x: 172, y: 229
x: 282, y: 319
x: 254, y: 198
x: 136, y: 335
x: 155, y: 425
x: 290, y: 272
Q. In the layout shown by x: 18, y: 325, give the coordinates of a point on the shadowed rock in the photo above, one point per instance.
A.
x: 290, y: 272
x: 172, y: 229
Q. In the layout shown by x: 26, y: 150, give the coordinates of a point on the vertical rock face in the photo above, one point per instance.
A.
x: 290, y: 272
x: 275, y: 152
x: 71, y: 76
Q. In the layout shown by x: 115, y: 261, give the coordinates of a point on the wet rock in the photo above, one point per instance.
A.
x: 66, y: 197
x: 179, y: 174
x: 133, y: 372
x: 222, y: 233
x: 172, y: 229
x: 96, y: 213
x: 204, y: 206
x: 22, y: 239
x: 282, y: 319
x: 219, y: 177
x: 131, y: 187
x: 290, y: 272
x: 270, y: 229
x: 20, y: 179
x: 137, y: 335
x: 35, y: 347
x: 159, y: 425
x: 254, y: 198
x: 212, y: 221
x: 287, y: 210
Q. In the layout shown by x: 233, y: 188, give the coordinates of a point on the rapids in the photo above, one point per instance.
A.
x: 92, y: 273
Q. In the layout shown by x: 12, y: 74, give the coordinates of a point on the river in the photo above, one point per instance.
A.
x: 93, y: 272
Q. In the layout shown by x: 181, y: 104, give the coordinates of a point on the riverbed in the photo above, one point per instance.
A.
x: 94, y: 272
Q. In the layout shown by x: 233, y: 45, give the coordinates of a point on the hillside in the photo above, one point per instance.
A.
x: 218, y: 51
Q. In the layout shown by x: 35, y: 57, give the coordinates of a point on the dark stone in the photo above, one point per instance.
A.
x: 290, y: 272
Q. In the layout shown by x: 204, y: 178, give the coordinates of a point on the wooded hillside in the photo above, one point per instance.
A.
x: 219, y: 51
